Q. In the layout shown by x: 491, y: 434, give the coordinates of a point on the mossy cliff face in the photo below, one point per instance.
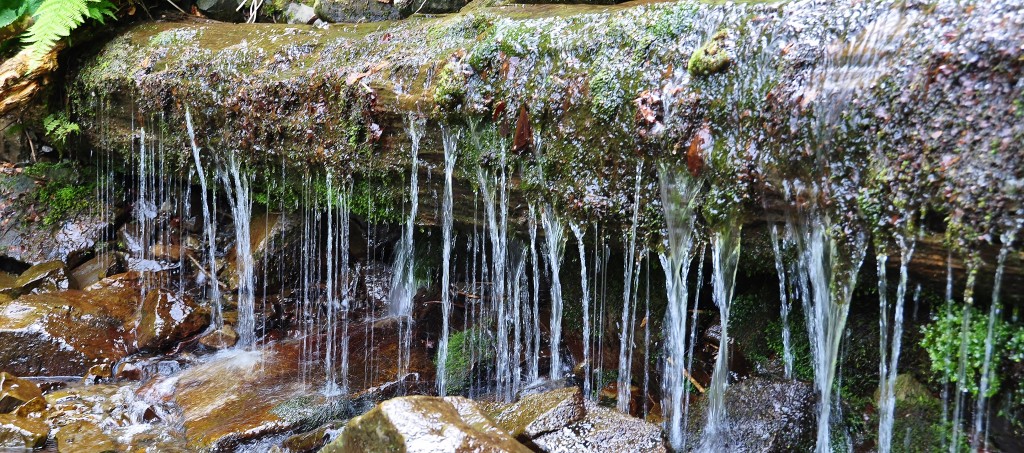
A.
x: 902, y: 118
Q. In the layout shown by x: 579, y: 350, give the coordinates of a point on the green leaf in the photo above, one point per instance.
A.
x: 55, y: 19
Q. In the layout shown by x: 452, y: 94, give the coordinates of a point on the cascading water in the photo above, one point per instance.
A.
x: 533, y: 370
x: 826, y: 277
x: 785, y: 304
x: 626, y: 328
x: 236, y: 186
x: 450, y: 142
x: 979, y: 439
x: 725, y: 256
x: 403, y: 280
x: 579, y: 232
x: 889, y: 371
x: 679, y: 193
x: 554, y: 237
x: 209, y: 227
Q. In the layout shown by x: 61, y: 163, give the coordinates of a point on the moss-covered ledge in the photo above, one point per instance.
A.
x: 884, y: 112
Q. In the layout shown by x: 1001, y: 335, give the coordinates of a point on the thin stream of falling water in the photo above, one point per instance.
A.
x: 403, y: 283
x: 693, y: 336
x: 209, y: 226
x: 579, y: 232
x: 628, y: 321
x: 554, y: 236
x: 449, y: 141
x: 961, y: 373
x: 344, y: 277
x: 889, y: 371
x: 785, y: 305
x: 979, y: 439
x: 497, y: 229
x: 520, y: 318
x: 679, y: 194
x: 827, y: 279
x: 236, y: 184
x: 533, y: 368
x: 725, y: 256
x: 945, y: 376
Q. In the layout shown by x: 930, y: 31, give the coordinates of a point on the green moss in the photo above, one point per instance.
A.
x: 466, y: 348
x: 606, y: 93
x: 710, y: 58
x: 68, y: 189
x: 450, y: 88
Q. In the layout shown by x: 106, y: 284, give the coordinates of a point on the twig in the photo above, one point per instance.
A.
x: 172, y: 4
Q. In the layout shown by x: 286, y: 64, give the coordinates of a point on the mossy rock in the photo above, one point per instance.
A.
x: 421, y: 424
x: 712, y: 57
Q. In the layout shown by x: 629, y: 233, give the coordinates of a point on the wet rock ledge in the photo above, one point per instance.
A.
x: 883, y: 112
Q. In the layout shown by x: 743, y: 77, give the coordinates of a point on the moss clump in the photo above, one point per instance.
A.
x: 465, y: 349
x: 604, y: 88
x: 450, y: 89
x: 68, y: 189
x: 710, y: 58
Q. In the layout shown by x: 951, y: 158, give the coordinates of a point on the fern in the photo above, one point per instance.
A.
x: 59, y: 129
x: 55, y: 19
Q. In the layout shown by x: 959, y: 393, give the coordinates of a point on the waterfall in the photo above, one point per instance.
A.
x: 785, y: 304
x: 497, y: 231
x: 344, y: 277
x: 826, y: 278
x: 973, y: 263
x: 579, y: 232
x: 209, y: 227
x: 725, y: 256
x: 403, y: 281
x: 533, y: 368
x: 678, y: 195
x: 236, y: 185
x: 628, y: 304
x: 337, y: 256
x: 450, y: 142
x: 889, y: 371
x: 554, y: 237
x: 521, y: 318
x: 979, y: 439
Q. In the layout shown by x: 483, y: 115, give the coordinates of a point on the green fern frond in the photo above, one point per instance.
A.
x: 55, y: 19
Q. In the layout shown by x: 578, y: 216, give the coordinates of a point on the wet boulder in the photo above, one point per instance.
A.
x: 603, y: 430
x: 297, y: 13
x: 222, y: 338
x: 44, y: 277
x: 768, y: 415
x: 223, y: 10
x: 66, y: 333
x: 15, y: 392
x: 82, y: 436
x: 19, y: 433
x: 220, y: 409
x: 97, y: 268
x: 382, y: 10
x: 540, y: 413
x: 423, y: 424
x: 168, y: 318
